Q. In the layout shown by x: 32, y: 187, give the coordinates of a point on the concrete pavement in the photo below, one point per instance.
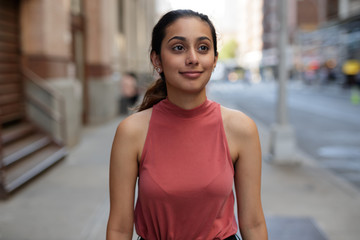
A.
x: 70, y: 201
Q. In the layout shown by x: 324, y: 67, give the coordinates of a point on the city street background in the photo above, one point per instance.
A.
x: 326, y: 122
x: 70, y: 68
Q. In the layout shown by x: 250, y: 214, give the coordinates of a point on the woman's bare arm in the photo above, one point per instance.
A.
x: 127, y: 145
x: 245, y: 148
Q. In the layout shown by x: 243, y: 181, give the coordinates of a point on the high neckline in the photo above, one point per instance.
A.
x: 171, y: 108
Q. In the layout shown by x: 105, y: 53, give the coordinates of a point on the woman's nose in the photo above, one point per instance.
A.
x: 192, y: 58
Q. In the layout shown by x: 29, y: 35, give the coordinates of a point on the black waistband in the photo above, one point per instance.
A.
x: 233, y: 237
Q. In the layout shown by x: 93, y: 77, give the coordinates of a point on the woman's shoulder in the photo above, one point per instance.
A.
x: 237, y: 122
x: 135, y: 123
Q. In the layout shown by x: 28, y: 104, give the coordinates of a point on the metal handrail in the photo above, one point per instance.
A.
x: 1, y: 157
x: 40, y: 83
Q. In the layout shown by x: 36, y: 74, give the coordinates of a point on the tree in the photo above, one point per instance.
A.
x: 228, y: 51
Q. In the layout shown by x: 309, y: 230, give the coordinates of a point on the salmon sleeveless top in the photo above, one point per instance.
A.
x: 185, y: 176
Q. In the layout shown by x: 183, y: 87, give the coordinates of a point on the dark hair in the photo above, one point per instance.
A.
x: 157, y: 91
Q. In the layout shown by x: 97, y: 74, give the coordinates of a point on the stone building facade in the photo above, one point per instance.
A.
x: 60, y: 66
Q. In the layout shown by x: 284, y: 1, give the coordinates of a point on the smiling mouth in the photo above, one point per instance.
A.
x: 191, y: 74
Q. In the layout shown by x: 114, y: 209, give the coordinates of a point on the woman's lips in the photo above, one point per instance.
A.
x: 191, y: 74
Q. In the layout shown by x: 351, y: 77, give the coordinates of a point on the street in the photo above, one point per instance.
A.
x: 326, y: 123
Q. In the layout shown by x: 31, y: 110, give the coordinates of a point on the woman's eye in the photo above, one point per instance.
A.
x: 203, y: 48
x: 178, y: 48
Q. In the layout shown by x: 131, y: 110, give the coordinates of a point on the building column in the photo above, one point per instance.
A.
x: 139, y: 20
x: 344, y: 9
x: 101, y: 38
x: 46, y: 49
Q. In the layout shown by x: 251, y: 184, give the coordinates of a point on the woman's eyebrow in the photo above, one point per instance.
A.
x: 204, y: 38
x: 177, y: 37
x: 184, y: 39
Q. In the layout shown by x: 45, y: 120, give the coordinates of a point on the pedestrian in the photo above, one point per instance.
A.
x: 185, y: 150
x: 129, y: 92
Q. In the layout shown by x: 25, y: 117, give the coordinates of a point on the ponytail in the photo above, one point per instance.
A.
x: 154, y: 94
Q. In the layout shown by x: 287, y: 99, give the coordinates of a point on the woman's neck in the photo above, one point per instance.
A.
x: 187, y: 101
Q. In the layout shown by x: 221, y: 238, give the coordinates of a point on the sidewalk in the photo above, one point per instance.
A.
x: 70, y: 201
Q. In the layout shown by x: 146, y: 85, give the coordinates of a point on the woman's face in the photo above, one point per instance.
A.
x: 187, y: 55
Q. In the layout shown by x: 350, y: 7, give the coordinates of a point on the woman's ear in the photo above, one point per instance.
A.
x: 215, y: 60
x: 155, y: 60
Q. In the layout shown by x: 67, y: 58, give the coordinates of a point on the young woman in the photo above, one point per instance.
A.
x: 186, y: 150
